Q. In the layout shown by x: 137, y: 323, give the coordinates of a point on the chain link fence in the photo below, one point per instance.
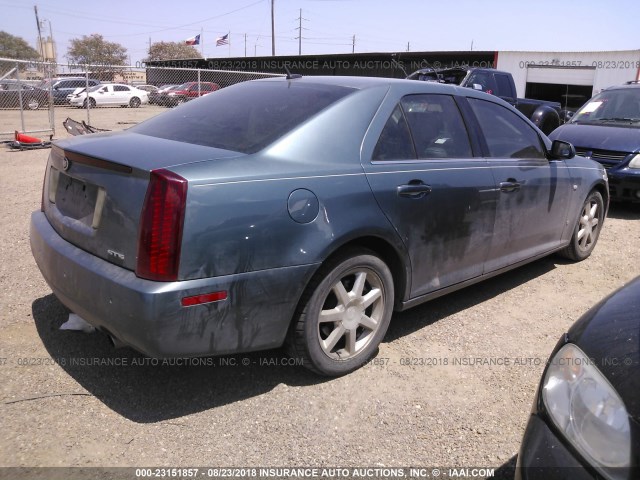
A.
x: 36, y: 97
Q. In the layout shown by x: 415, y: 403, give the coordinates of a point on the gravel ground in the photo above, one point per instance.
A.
x: 58, y: 412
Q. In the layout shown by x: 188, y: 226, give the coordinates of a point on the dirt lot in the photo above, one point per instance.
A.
x: 60, y: 407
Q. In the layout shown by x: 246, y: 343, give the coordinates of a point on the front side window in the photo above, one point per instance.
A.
x: 507, y: 135
x: 482, y: 81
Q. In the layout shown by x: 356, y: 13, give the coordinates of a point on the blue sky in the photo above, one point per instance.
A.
x: 329, y: 25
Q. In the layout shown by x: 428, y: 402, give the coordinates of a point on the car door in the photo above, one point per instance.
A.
x: 122, y: 94
x: 534, y: 192
x: 439, y: 197
x: 104, y: 95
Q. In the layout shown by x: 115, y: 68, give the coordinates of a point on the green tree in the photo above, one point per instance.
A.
x: 95, y: 50
x: 171, y: 51
x: 16, y: 47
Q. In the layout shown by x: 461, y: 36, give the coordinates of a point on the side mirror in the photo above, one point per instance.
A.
x: 560, y: 149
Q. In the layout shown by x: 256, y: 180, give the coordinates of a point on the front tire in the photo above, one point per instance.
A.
x: 343, y: 315
x: 587, y: 229
x: 134, y: 102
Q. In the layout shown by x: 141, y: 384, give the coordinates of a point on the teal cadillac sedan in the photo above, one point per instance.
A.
x: 303, y: 212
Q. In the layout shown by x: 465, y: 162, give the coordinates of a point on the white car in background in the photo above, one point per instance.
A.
x: 110, y: 94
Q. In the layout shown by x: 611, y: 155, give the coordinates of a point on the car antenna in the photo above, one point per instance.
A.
x: 291, y: 76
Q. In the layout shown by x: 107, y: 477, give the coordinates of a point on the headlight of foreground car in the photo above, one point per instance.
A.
x: 635, y: 162
x: 588, y: 411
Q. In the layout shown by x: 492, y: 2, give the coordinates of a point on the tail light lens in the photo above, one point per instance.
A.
x: 161, y: 225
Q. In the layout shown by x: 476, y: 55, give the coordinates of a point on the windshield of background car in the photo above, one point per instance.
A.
x: 245, y: 117
x: 611, y: 106
x: 96, y: 87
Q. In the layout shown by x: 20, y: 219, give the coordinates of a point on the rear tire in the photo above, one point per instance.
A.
x: 587, y: 229
x: 343, y: 314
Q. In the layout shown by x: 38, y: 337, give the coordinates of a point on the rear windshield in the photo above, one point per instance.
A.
x: 245, y: 117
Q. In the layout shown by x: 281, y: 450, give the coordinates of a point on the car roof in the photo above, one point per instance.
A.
x: 408, y: 86
x: 626, y: 86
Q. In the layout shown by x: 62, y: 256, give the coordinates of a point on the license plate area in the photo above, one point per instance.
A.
x: 76, y: 199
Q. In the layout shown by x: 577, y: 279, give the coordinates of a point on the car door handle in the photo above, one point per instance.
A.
x: 414, y: 190
x: 509, y: 186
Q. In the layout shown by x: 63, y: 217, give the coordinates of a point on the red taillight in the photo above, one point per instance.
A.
x: 161, y: 226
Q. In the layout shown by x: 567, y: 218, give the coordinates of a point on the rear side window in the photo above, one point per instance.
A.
x: 120, y: 88
x: 507, y: 135
x: 504, y: 86
x: 395, y: 140
x: 245, y: 117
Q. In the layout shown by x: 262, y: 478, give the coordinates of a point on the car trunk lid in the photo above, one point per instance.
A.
x: 95, y: 188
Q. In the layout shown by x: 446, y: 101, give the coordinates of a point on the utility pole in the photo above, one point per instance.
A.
x: 353, y: 44
x: 245, y: 44
x: 40, y: 46
x: 299, y: 37
x: 273, y: 31
x: 408, y: 46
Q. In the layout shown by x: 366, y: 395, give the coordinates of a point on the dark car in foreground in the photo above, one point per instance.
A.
x: 585, y: 422
x: 304, y: 212
x: 607, y: 129
x: 15, y: 95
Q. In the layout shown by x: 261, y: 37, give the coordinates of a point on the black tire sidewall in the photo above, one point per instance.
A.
x: 321, y: 362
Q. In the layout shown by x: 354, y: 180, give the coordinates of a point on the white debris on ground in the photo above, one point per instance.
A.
x: 77, y: 323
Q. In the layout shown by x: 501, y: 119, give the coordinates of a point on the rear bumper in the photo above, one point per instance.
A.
x: 149, y: 317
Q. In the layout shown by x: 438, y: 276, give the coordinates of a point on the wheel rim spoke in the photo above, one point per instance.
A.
x: 371, y: 297
x: 334, y: 315
x: 358, y: 286
x: 341, y: 293
x: 350, y: 345
x: 333, y: 338
x: 368, y: 322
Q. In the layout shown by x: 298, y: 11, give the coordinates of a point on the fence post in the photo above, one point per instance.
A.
x: 52, y: 116
x: 199, y: 83
x: 86, y: 94
x: 20, y: 96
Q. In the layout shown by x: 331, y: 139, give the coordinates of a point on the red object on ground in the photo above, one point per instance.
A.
x: 21, y: 137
